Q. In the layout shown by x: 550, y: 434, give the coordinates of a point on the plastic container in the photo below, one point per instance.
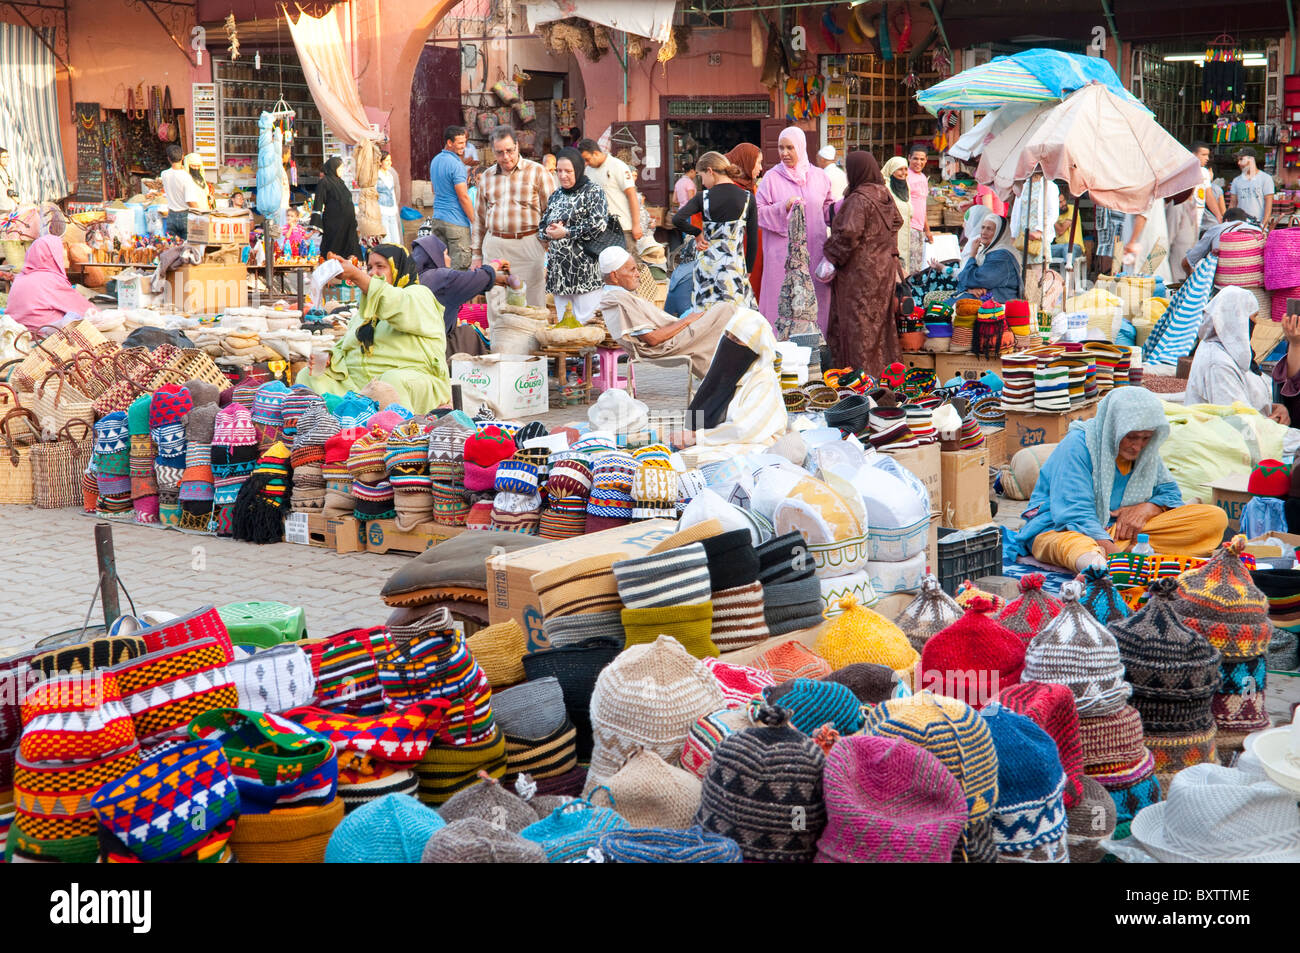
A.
x: 1143, y: 546
x: 968, y: 554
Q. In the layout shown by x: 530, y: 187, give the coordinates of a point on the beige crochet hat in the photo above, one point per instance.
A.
x: 650, y: 792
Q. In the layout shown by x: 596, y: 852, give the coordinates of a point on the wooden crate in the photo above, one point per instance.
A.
x: 383, y: 536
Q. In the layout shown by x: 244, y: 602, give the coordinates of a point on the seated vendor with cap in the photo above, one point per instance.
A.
x: 646, y: 332
x: 1105, y: 484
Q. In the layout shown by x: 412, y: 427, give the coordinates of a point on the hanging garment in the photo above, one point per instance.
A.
x: 720, y: 274
x: 796, y: 310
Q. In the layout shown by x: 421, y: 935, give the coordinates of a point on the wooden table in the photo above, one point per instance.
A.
x: 283, y: 271
x: 561, y: 356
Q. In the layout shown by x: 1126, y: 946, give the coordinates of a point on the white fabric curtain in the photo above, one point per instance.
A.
x: 319, y: 43
x: 29, y: 115
x: 648, y: 18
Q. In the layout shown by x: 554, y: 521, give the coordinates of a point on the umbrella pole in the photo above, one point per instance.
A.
x: 1069, y: 248
x: 1024, y: 254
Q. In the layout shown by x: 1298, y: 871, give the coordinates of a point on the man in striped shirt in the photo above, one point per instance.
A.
x: 512, y: 196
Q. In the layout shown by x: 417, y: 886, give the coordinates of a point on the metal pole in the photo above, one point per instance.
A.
x: 106, y: 562
x: 1024, y: 255
x: 1069, y: 248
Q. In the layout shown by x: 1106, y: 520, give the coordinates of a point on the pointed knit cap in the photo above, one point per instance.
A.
x: 490, y: 801
x: 170, y: 403
x: 889, y: 801
x: 1029, y: 821
x: 390, y: 830
x: 1220, y: 601
x: 1090, y: 820
x: 1160, y: 652
x: 792, y: 659
x: 475, y: 841
x: 649, y: 792
x: 931, y: 611
x: 1027, y: 615
x: 647, y: 697
x: 757, y: 780
x: 859, y: 634
x: 973, y: 658
x: 954, y: 733
x: 1052, y: 709
x: 872, y: 684
x: 1074, y: 649
x: 1100, y: 597
x: 813, y: 703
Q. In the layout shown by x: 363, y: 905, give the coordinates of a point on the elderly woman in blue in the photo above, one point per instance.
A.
x: 1105, y: 484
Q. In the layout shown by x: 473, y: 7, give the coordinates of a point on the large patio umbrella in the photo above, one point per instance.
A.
x: 972, y: 144
x: 1034, y: 76
x: 1097, y: 143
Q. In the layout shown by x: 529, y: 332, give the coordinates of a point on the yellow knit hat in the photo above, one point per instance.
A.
x: 499, y: 650
x: 858, y: 634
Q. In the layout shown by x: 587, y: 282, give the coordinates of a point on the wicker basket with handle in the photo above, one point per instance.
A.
x: 56, y: 405
x: 57, y: 466
x: 15, y: 460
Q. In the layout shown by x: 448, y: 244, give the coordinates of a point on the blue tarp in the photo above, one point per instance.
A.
x: 1063, y: 73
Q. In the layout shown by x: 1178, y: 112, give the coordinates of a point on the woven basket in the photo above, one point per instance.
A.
x: 196, y: 365
x: 588, y: 336
x: 15, y: 461
x: 57, y: 466
x: 58, y: 405
x: 24, y: 429
x: 62, y: 345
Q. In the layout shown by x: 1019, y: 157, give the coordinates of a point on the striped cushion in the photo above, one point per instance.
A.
x: 1174, y: 335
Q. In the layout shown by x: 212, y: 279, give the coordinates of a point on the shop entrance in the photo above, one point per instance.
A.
x: 701, y: 124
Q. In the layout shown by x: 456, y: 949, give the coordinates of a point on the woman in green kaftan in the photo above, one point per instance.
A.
x: 398, y: 336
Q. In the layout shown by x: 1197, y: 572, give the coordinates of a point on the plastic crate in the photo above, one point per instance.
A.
x: 263, y: 624
x: 968, y: 554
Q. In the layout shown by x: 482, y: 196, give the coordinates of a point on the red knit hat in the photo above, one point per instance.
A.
x: 790, y: 660
x: 1052, y: 708
x: 1033, y: 610
x: 1270, y: 478
x: 339, y: 446
x: 489, y: 447
x: 974, y: 658
x: 1016, y: 309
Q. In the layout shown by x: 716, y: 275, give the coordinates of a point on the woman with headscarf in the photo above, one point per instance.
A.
x: 203, y: 191
x: 42, y: 294
x: 337, y: 213
x: 575, y: 214
x: 894, y: 173
x: 726, y: 242
x: 451, y: 289
x: 738, y: 408
x: 863, y: 247
x: 992, y: 269
x: 1224, y: 371
x: 1105, y: 484
x: 794, y: 181
x: 397, y: 337
x: 748, y: 158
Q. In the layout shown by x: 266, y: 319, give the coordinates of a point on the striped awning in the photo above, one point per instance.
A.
x: 29, y: 115
x: 987, y: 86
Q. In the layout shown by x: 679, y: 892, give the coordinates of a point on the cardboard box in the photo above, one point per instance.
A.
x: 995, y: 441
x: 222, y: 227
x: 891, y: 605
x: 510, y: 576
x: 950, y: 364
x: 924, y: 462
x: 349, y: 534
x: 965, y: 475
x: 384, y: 536
x: 511, y: 385
x: 208, y: 289
x: 1229, y: 494
x: 1262, y: 551
x: 919, y: 359
x: 1036, y: 429
x: 134, y: 290
x: 805, y: 637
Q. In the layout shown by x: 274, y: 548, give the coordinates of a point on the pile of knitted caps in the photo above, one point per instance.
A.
x: 900, y: 409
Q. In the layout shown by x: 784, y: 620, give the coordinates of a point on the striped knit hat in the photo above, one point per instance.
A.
x: 931, y: 611
x: 1075, y: 650
x: 268, y: 404
x: 677, y: 577
x: 561, y: 630
x: 707, y: 733
x: 1029, y: 822
x: 888, y: 800
x: 167, y: 688
x: 756, y: 781
x: 648, y: 697
x: 583, y: 586
x: 540, y: 739
x: 657, y: 845
x: 1112, y: 742
x: 812, y: 703
x: 576, y: 667
x: 1052, y: 709
x: 737, y: 595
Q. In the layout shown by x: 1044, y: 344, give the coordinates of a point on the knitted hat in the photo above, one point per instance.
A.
x: 739, y: 683
x: 676, y: 577
x: 792, y: 659
x: 51, y: 801
x: 561, y: 630
x: 1052, y: 708
x: 792, y: 606
x: 530, y: 714
x: 490, y: 801
x: 83, y: 657
x: 344, y: 666
x: 403, y: 781
x: 657, y: 845
x: 1220, y: 601
x: 707, y: 733
x: 1269, y: 478
x: 573, y: 829
x: 1240, y: 703
x: 731, y: 560
x: 687, y: 624
x: 812, y: 703
x: 169, y: 404
x: 649, y: 697
x: 263, y: 500
x: 1112, y: 742
x: 392, y: 829
x: 75, y: 718
x: 1090, y: 821
x: 871, y: 684
x: 476, y: 841
x: 1101, y: 598
x: 889, y: 800
x: 1074, y: 649
x: 1027, y: 615
x: 757, y: 780
x: 268, y: 404
x: 931, y: 611
x: 569, y: 478
x: 784, y: 559
x: 649, y: 792
x: 166, y: 689
x: 581, y: 586
x: 1029, y: 821
x: 446, y: 769
x: 859, y: 634
x: 499, y: 650
x: 954, y: 733
x: 576, y: 668
x: 973, y: 658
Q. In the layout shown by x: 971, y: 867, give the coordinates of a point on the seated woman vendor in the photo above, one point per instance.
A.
x: 397, y: 337
x: 992, y: 270
x: 1105, y: 484
x: 1223, y: 370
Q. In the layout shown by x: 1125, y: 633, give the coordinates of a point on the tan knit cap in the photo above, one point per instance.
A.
x: 583, y: 586
x: 499, y: 650
x: 692, y: 534
x: 650, y: 792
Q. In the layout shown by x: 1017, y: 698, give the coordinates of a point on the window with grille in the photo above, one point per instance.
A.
x: 707, y: 107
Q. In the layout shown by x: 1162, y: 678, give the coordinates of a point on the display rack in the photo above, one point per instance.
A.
x: 879, y: 110
x: 243, y: 91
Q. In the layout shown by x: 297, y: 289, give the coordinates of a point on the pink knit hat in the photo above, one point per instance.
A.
x: 888, y: 800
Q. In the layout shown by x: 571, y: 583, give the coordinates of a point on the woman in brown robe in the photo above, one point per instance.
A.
x: 863, y: 247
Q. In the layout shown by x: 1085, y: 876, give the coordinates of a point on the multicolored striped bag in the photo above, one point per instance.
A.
x: 1241, y: 258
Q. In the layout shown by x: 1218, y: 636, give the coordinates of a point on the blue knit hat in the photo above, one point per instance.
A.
x: 657, y: 845
x: 1029, y: 816
x: 391, y: 830
x: 568, y: 832
x: 812, y: 703
x: 268, y: 403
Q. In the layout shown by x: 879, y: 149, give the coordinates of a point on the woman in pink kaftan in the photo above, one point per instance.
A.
x: 793, y: 179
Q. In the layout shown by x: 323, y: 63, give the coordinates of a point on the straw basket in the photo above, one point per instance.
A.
x: 15, y: 460
x: 57, y: 466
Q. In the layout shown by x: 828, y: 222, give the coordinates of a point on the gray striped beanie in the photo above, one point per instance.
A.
x: 675, y: 577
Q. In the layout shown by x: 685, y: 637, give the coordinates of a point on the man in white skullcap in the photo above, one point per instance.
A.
x: 839, y: 178
x: 645, y: 331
